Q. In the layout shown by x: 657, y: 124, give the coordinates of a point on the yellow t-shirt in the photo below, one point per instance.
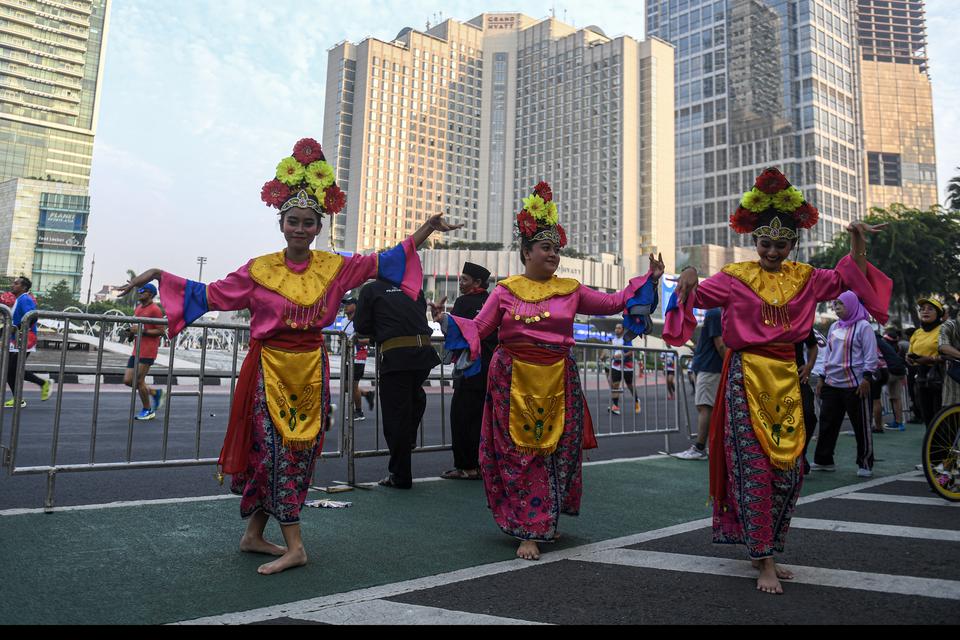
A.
x: 924, y: 343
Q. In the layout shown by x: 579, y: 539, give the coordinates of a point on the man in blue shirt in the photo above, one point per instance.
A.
x: 23, y: 305
x: 707, y: 364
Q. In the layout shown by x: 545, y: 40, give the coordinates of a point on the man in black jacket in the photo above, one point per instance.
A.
x: 398, y: 326
x: 466, y: 408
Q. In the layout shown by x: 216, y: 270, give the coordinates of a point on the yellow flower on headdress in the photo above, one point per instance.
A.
x: 788, y: 200
x: 553, y: 217
x: 290, y: 172
x: 536, y: 207
x: 320, y: 175
x: 755, y: 201
x: 321, y: 195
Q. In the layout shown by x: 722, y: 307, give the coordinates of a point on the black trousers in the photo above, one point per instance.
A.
x: 836, y: 402
x: 402, y: 403
x: 466, y: 417
x: 930, y: 401
x: 12, y: 362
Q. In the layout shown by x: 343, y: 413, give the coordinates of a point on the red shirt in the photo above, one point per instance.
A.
x: 149, y: 345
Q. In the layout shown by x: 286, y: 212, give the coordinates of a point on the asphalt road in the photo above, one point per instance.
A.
x: 196, y: 430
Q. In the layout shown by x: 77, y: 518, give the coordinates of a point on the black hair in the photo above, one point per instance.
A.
x: 27, y: 284
x: 525, y: 244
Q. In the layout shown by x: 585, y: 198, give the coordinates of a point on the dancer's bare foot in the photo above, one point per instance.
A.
x: 289, y: 560
x: 250, y: 544
x: 782, y: 574
x: 528, y: 550
x: 768, y: 581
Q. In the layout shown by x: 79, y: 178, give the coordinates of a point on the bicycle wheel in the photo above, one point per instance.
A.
x: 941, y: 453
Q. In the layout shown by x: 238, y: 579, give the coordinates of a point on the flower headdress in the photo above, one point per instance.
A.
x: 539, y: 219
x: 773, y: 208
x: 304, y: 180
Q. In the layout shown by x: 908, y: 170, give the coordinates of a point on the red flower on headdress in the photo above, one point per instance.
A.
x: 307, y: 151
x: 806, y: 216
x: 743, y: 220
x: 544, y: 191
x: 771, y: 181
x: 563, y: 236
x: 527, y: 224
x: 275, y: 193
x: 334, y: 200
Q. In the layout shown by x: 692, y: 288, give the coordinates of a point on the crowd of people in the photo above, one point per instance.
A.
x: 520, y: 420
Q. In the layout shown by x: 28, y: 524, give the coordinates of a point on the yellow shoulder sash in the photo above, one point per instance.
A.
x: 532, y: 291
x: 776, y: 289
x: 303, y: 289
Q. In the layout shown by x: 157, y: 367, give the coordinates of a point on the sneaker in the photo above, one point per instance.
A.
x: 157, y: 398
x: 864, y: 473
x: 358, y: 416
x: 822, y: 467
x: 693, y: 453
x: 615, y: 410
x: 895, y: 426
x: 9, y: 403
x: 146, y: 414
x: 45, y: 390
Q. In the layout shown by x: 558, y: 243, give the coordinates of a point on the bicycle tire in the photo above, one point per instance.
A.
x: 941, y: 454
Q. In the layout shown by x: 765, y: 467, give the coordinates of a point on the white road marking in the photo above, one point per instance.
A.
x: 120, y: 505
x: 884, y: 583
x: 384, y: 612
x: 879, y: 497
x: 919, y: 533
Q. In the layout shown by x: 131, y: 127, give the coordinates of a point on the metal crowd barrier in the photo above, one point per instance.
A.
x: 163, y: 460
x: 660, y: 413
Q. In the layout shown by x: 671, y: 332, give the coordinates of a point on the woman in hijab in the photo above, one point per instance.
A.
x: 850, y: 366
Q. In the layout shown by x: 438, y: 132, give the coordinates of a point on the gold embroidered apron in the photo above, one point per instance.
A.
x: 776, y: 407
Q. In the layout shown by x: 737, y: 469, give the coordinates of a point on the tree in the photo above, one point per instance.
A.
x: 129, y: 300
x: 919, y: 250
x: 953, y: 193
x: 58, y: 297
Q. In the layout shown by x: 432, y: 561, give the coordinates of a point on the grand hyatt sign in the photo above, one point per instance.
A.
x: 501, y: 23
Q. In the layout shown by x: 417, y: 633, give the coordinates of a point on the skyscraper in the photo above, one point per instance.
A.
x: 466, y: 117
x: 897, y: 98
x: 763, y: 83
x: 51, y: 62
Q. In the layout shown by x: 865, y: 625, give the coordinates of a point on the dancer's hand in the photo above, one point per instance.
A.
x: 437, y: 310
x: 687, y: 284
x: 656, y: 266
x: 140, y: 280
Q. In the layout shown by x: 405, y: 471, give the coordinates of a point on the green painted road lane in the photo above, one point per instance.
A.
x: 164, y: 563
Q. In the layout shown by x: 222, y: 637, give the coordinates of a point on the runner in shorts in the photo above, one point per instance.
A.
x: 621, y: 368
x: 708, y: 365
x: 149, y: 346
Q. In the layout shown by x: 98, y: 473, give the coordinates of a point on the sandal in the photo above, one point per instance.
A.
x: 455, y: 474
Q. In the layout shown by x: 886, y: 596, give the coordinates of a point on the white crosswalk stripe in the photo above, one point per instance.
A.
x: 914, y: 500
x: 869, y: 528
x: 384, y: 612
x: 903, y: 585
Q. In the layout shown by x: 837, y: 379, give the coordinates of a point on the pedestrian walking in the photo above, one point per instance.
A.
x: 924, y: 355
x: 707, y: 365
x: 281, y: 406
x: 360, y: 357
x: 145, y: 352
x: 536, y: 421
x: 398, y: 326
x: 897, y: 371
x: 24, y: 303
x: 850, y: 369
x: 757, y: 435
x: 469, y: 392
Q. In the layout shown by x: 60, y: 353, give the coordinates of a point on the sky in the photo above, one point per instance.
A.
x: 201, y: 98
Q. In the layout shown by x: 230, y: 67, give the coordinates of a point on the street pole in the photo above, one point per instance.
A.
x: 93, y: 263
x: 201, y: 260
